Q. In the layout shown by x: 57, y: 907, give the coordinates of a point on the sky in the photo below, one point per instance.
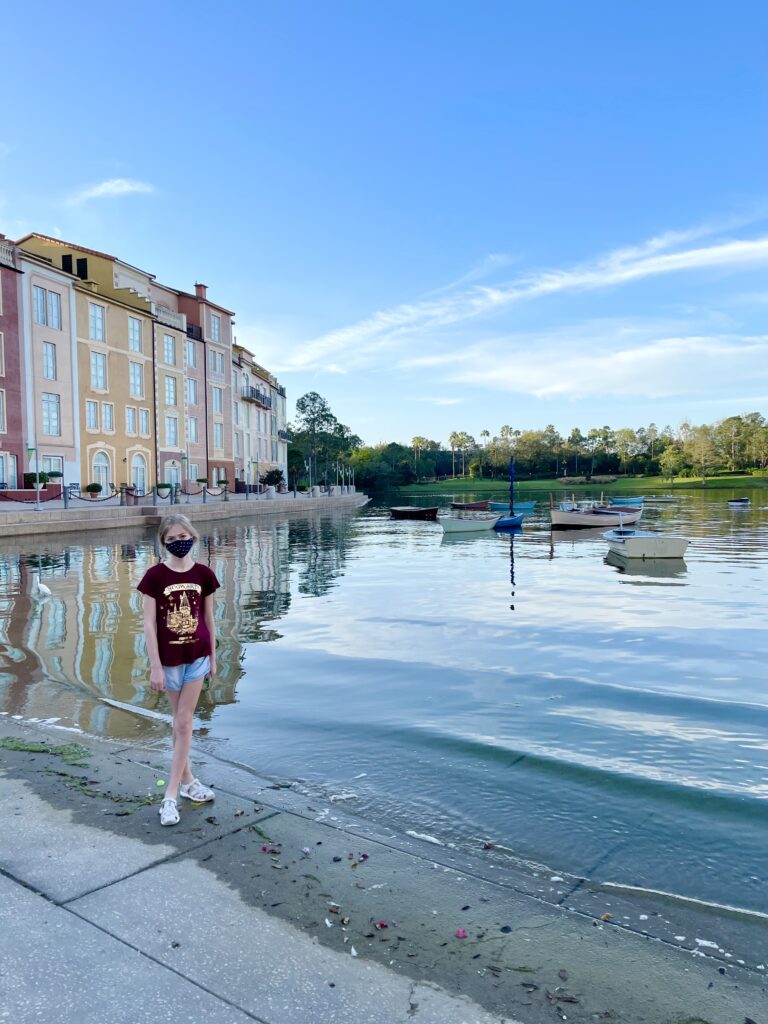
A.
x: 440, y: 216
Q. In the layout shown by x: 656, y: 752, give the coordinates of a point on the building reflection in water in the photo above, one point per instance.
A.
x: 85, y: 641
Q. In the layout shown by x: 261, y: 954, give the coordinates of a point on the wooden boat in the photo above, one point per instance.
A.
x: 471, y: 506
x: 509, y: 522
x: 520, y: 506
x: 413, y: 512
x: 629, y: 543
x: 455, y: 524
x: 590, y: 516
x: 738, y: 502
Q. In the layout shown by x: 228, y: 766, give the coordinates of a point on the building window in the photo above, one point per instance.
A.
x: 235, y: 413
x: 139, y: 473
x: 98, y: 371
x: 101, y: 473
x: 54, y: 310
x: 96, y: 316
x: 169, y: 349
x: 136, y: 380
x: 217, y: 395
x: 51, y: 415
x: 107, y: 416
x: 2, y: 355
x: 194, y: 471
x: 144, y: 422
x: 191, y: 353
x: 237, y: 444
x: 191, y: 391
x: 41, y: 305
x: 192, y: 435
x: 170, y: 391
x: 220, y: 363
x: 215, y: 327
x: 274, y: 451
x: 130, y: 419
x: 92, y: 415
x: 52, y: 464
x: 218, y: 435
x: 134, y: 334
x: 171, y: 431
x: 2, y: 412
x: 49, y: 360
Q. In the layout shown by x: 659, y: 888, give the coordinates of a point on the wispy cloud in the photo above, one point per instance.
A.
x: 437, y: 400
x: 110, y: 189
x: 387, y: 328
x: 485, y: 268
x: 5, y: 150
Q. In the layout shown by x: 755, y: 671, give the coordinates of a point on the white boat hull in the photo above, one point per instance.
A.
x: 452, y: 524
x: 593, y: 518
x: 642, y: 544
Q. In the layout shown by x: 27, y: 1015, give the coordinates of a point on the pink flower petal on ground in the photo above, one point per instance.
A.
x: 460, y: 933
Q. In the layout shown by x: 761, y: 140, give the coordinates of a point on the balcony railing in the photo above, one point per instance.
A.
x: 169, y: 317
x: 285, y: 435
x: 195, y: 332
x: 7, y: 255
x: 254, y: 395
x: 280, y: 389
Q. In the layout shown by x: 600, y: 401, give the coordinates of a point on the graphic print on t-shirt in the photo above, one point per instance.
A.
x: 180, y: 620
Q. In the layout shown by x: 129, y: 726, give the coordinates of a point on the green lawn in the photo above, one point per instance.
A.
x: 628, y: 485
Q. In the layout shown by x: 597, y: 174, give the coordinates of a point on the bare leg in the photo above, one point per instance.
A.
x: 183, y: 705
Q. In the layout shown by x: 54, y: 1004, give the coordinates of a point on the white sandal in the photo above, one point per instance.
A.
x: 196, y: 791
x: 169, y: 813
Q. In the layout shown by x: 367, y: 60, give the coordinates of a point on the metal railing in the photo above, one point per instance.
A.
x: 254, y: 395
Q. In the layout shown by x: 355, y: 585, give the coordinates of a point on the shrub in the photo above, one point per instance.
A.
x: 202, y: 480
x: 272, y: 478
x: 29, y: 479
x: 93, y: 488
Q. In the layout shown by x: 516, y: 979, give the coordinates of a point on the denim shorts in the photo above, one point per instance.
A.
x: 177, y: 675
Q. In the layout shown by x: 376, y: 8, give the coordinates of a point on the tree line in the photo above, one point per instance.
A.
x: 735, y: 444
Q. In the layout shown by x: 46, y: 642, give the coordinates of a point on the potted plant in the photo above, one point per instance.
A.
x: 94, y: 490
x: 55, y: 475
x: 202, y: 480
x: 31, y: 478
x: 165, y: 488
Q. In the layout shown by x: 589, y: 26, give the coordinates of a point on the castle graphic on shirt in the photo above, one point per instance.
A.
x: 179, y: 617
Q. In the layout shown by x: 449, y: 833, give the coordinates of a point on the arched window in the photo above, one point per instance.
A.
x: 101, y: 473
x: 139, y: 473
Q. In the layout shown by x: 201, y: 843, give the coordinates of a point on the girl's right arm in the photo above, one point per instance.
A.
x: 156, y: 674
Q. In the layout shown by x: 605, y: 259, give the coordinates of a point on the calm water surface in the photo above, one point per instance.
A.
x: 605, y: 723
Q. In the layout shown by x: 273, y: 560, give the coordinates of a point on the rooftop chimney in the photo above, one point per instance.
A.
x: 200, y: 290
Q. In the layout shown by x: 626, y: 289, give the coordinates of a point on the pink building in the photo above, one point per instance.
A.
x: 210, y: 327
x: 13, y: 442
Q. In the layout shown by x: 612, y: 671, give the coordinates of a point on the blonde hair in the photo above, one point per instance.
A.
x: 176, y: 520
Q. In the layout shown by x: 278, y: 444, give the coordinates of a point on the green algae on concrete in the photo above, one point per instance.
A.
x: 70, y: 753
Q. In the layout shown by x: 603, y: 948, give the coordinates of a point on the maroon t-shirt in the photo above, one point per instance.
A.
x: 182, y: 635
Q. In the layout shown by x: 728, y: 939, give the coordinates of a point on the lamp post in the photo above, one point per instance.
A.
x: 255, y: 471
x: 31, y: 450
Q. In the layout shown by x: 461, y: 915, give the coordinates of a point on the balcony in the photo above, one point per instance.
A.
x: 280, y: 389
x: 195, y: 332
x: 259, y: 397
x: 167, y: 316
x: 285, y: 435
x: 7, y: 255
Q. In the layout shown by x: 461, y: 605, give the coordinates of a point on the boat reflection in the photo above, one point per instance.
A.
x: 656, y: 568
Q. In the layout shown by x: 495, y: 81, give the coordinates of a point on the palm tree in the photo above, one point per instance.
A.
x: 453, y: 441
x: 485, y: 434
x: 418, y: 444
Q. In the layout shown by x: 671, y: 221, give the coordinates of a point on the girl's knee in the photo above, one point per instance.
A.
x: 182, y: 723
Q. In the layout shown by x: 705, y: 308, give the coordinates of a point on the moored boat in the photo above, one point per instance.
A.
x: 455, y: 524
x: 738, y: 502
x: 629, y: 543
x: 509, y: 522
x: 471, y: 506
x: 590, y: 516
x: 413, y: 512
x: 626, y: 501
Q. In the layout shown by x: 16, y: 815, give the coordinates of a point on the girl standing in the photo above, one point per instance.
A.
x: 179, y: 631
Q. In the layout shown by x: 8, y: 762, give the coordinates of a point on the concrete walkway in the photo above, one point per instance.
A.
x: 266, y: 907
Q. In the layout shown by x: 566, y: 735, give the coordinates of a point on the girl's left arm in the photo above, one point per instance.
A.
x: 211, y: 624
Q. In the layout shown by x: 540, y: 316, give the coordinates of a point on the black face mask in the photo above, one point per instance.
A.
x: 180, y: 548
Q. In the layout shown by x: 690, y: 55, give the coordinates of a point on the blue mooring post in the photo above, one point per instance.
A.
x: 511, y: 487
x: 154, y: 495
x: 226, y: 492
x: 65, y: 494
x: 205, y: 494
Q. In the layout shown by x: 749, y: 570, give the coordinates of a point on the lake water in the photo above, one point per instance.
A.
x: 605, y: 723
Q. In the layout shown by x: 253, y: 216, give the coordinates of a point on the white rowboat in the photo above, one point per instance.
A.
x: 453, y: 524
x: 628, y: 543
x: 592, y: 517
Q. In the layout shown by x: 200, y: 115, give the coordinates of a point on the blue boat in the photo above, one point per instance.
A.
x: 627, y: 501
x: 508, y: 522
x: 520, y: 506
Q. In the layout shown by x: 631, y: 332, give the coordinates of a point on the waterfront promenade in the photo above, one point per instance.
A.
x: 268, y: 907
x: 18, y: 520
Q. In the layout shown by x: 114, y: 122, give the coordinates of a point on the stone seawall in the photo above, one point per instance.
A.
x: 23, y: 522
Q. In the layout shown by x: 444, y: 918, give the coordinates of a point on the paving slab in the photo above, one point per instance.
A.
x: 184, y: 917
x: 56, y: 967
